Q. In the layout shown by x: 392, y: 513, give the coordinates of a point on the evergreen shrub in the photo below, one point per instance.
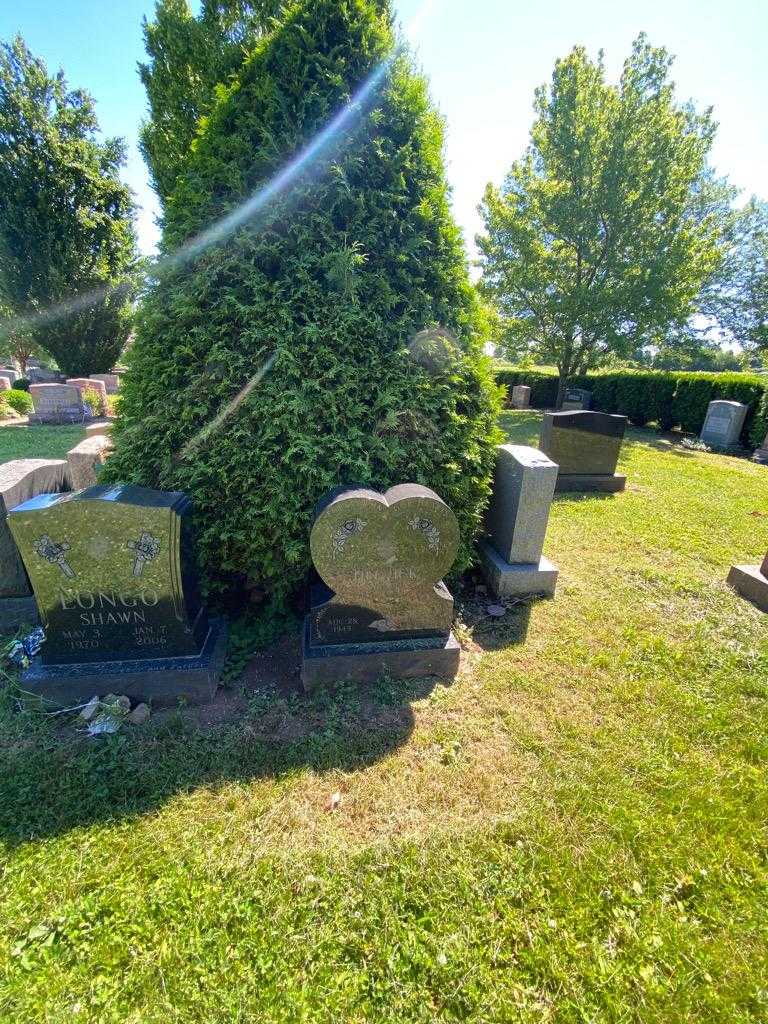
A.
x: 280, y: 362
x: 20, y: 401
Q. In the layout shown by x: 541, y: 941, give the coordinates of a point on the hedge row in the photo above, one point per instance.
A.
x: 668, y: 399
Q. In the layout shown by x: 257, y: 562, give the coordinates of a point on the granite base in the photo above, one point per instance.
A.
x: 569, y: 482
x: 17, y: 611
x: 367, y: 663
x: 749, y: 581
x: 163, y: 682
x: 517, y: 580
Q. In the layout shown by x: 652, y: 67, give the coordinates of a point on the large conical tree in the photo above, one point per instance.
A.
x: 327, y: 286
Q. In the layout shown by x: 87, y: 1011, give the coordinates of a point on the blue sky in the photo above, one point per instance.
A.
x: 484, y: 59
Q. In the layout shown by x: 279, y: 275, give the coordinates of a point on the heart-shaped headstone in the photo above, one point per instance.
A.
x: 383, y: 557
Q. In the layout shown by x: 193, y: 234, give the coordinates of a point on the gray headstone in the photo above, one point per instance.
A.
x: 85, y: 459
x: 383, y: 557
x: 523, y: 487
x: 761, y: 455
x: 21, y: 480
x: 723, y: 424
x: 111, y: 381
x: 521, y: 397
x: 583, y: 443
x: 751, y: 581
x: 111, y: 572
x: 10, y: 375
x: 577, y: 398
x: 56, y: 403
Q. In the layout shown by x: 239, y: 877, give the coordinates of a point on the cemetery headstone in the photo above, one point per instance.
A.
x: 516, y: 521
x: 10, y: 375
x: 723, y: 424
x: 5, y: 384
x: 382, y: 605
x: 751, y: 581
x: 20, y: 480
x: 521, y: 397
x: 99, y: 427
x: 85, y: 459
x: 585, y: 445
x: 761, y: 455
x: 111, y: 381
x: 113, y: 576
x: 57, y: 403
x: 577, y: 398
x: 98, y: 386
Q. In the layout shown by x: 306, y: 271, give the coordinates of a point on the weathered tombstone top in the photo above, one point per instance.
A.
x: 724, y: 423
x: 577, y: 398
x: 88, y: 382
x: 383, y: 557
x: 111, y: 381
x: 112, y: 573
x: 5, y: 384
x: 54, y: 402
x: 583, y: 442
x: 20, y: 480
x: 10, y: 375
x: 521, y: 396
x: 523, y: 488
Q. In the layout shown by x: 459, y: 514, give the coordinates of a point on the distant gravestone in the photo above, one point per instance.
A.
x: 761, y: 455
x: 577, y: 398
x: 724, y: 423
x: 10, y: 375
x: 88, y: 383
x: 516, y: 522
x: 382, y: 606
x: 44, y: 375
x: 85, y: 459
x: 20, y: 480
x: 111, y: 569
x: 521, y: 397
x: 5, y: 384
x: 585, y: 445
x: 751, y: 581
x: 111, y: 381
x: 56, y: 403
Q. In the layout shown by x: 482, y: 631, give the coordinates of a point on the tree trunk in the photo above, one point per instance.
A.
x: 562, y: 384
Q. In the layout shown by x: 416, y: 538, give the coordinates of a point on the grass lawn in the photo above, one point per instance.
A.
x: 574, y: 831
x: 38, y: 442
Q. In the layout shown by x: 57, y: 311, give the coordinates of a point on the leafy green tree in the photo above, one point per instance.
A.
x: 67, y: 245
x: 735, y: 298
x: 188, y: 58
x: 290, y: 357
x: 592, y: 244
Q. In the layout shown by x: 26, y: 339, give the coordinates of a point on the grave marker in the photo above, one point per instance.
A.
x: 111, y: 569
x: 382, y: 605
x: 723, y: 424
x: 585, y: 445
x: 521, y: 397
x: 751, y: 581
x: 56, y: 403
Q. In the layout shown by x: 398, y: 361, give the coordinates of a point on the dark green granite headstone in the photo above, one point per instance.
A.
x: 583, y: 443
x: 382, y: 558
x: 112, y: 574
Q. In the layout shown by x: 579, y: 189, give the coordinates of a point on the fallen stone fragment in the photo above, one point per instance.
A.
x: 89, y: 710
x: 139, y: 715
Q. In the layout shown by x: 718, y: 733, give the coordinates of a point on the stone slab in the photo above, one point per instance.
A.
x: 382, y: 557
x: 16, y: 612
x: 571, y: 482
x: 10, y: 375
x: 368, y: 662
x: 163, y: 682
x: 523, y: 486
x: 575, y: 399
x: 723, y: 424
x: 517, y: 580
x: 20, y: 480
x: 85, y: 459
x: 57, y: 403
x: 761, y: 455
x: 111, y: 381
x: 99, y: 427
x: 5, y: 384
x: 749, y: 581
x: 583, y: 442
x: 521, y: 397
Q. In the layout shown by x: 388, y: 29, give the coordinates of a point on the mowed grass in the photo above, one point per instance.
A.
x: 574, y: 831
x: 38, y: 442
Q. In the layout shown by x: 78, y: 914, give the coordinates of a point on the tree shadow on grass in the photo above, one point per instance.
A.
x: 491, y: 634
x: 54, y: 778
